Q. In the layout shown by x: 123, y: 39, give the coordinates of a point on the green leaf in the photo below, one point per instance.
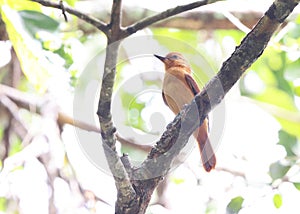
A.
x: 176, y: 34
x: 277, y: 200
x: 294, y: 29
x: 35, y: 21
x: 278, y: 73
x: 64, y: 52
x: 283, y: 99
x: 21, y: 5
x: 235, y: 205
x: 211, y: 208
x: 288, y: 141
x: 275, y: 60
x: 133, y: 107
x: 290, y: 124
x: 16, y: 145
x: 278, y: 170
x: 297, y: 91
x: 297, y: 185
x: 1, y: 132
x: 292, y: 71
x: 34, y: 65
x: 237, y: 35
x: 71, y: 2
x: 282, y: 108
x: 3, y: 203
x: 178, y: 180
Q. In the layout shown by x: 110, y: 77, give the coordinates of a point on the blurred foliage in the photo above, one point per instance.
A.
x: 289, y: 142
x: 274, y: 83
x: 188, y: 43
x: 45, y: 48
x: 134, y: 111
x: 2, y: 204
x: 26, y: 48
x: 277, y: 200
x: 16, y: 145
x: 38, y: 42
x: 35, y: 22
x: 297, y: 185
x: 1, y: 132
x: 211, y: 208
x: 235, y: 205
x: 278, y: 170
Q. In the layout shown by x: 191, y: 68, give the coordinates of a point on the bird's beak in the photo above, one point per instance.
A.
x: 160, y: 57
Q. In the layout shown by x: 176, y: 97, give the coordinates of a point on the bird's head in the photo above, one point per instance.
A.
x: 173, y: 59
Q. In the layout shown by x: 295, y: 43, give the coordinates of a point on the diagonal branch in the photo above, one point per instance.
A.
x: 89, y: 19
x: 232, y: 69
x: 179, y: 131
x: 163, y: 15
x: 142, y: 181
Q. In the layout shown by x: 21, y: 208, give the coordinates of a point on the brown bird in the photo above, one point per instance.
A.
x: 179, y: 89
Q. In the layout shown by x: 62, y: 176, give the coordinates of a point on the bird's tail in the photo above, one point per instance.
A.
x: 207, y: 153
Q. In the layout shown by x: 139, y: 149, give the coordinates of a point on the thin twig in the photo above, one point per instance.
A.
x: 63, y: 10
x: 236, y: 22
x: 232, y: 171
x: 30, y: 101
x: 244, y: 55
x: 89, y: 19
x: 13, y: 109
x: 179, y: 131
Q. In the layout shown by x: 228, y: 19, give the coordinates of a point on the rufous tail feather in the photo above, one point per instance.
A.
x: 207, y: 153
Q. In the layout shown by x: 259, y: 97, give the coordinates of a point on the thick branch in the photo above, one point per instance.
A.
x: 115, y: 22
x: 141, y: 183
x: 126, y: 192
x: 89, y: 19
x: 163, y: 15
x: 179, y: 131
x: 242, y: 58
x: 207, y: 19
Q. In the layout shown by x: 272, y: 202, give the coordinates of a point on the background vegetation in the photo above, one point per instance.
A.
x: 45, y: 60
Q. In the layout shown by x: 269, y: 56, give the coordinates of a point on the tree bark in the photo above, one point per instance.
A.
x: 136, y: 185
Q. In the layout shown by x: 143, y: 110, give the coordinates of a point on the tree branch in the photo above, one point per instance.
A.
x: 89, y: 19
x: 163, y: 15
x: 35, y: 103
x: 134, y: 193
x: 14, y: 111
x: 212, y: 94
x: 126, y: 192
x: 115, y: 20
x: 236, y: 22
x: 179, y: 131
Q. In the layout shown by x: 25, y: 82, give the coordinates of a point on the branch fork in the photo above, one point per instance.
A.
x: 135, y: 186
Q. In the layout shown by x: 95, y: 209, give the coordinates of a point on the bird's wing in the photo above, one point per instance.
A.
x: 164, y: 98
x: 192, y: 84
x: 194, y: 88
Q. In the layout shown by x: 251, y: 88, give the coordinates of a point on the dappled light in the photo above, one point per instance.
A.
x: 84, y: 127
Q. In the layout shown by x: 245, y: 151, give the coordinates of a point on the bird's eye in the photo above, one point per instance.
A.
x: 174, y: 57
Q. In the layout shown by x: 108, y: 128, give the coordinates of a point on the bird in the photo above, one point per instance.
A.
x: 179, y: 89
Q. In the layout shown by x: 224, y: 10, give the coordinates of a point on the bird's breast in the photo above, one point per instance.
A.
x: 176, y: 91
